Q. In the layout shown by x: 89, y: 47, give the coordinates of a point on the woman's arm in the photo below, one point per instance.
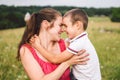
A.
x: 55, y: 58
x: 34, y: 70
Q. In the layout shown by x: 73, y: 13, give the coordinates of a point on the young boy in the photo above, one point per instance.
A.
x: 75, y: 24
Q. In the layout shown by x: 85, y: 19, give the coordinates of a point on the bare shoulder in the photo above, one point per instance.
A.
x: 24, y: 51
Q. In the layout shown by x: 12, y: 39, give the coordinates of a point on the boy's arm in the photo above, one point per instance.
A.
x: 54, y: 58
x: 59, y: 58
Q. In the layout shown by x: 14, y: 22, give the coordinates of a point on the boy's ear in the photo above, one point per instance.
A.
x: 46, y: 24
x: 79, y: 24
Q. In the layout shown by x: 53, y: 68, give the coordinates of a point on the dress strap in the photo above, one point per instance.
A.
x: 32, y: 50
x: 62, y: 45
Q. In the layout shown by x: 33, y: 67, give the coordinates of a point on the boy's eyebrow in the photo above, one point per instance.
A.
x: 63, y: 24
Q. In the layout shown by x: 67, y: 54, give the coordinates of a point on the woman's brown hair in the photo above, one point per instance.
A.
x: 34, y: 24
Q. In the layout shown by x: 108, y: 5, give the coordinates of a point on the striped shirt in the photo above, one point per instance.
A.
x: 91, y: 71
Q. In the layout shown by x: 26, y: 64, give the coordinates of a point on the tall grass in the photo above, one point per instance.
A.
x: 104, y: 34
x: 10, y: 68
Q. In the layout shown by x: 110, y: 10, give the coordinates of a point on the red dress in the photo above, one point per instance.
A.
x: 48, y: 67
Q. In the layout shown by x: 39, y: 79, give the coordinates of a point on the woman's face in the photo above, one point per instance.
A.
x: 56, y: 30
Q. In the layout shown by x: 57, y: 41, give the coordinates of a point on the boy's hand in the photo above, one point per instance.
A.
x: 81, y: 58
x: 35, y: 41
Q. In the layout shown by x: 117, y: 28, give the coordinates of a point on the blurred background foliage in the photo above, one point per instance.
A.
x: 13, y: 17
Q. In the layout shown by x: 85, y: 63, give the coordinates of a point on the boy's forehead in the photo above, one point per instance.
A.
x: 66, y: 18
x: 63, y: 23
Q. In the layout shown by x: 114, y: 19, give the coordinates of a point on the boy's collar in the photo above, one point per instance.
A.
x: 79, y: 36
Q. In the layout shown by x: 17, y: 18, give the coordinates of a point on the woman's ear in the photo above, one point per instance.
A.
x: 45, y: 24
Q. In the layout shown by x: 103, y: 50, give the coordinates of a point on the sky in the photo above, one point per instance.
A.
x: 76, y: 3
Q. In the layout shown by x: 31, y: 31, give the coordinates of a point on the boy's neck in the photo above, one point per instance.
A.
x: 80, y: 32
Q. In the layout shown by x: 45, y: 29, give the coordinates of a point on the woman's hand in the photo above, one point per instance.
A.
x: 80, y: 58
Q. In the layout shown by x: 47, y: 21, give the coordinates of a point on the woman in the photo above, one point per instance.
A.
x: 47, y: 25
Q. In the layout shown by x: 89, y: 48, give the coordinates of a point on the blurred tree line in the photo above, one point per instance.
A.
x: 13, y: 17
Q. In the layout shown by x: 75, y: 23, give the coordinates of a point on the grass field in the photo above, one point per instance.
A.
x: 104, y: 34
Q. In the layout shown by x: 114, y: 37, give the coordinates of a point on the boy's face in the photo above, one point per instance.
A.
x: 69, y: 28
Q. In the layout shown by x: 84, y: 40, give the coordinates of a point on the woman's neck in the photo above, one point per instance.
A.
x: 45, y: 40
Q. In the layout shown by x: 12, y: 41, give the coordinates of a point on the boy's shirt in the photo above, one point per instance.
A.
x: 91, y: 71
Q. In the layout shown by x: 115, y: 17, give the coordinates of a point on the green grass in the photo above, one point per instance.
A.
x: 10, y: 68
x: 104, y: 34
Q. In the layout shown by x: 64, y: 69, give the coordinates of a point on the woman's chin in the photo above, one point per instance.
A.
x: 58, y: 38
